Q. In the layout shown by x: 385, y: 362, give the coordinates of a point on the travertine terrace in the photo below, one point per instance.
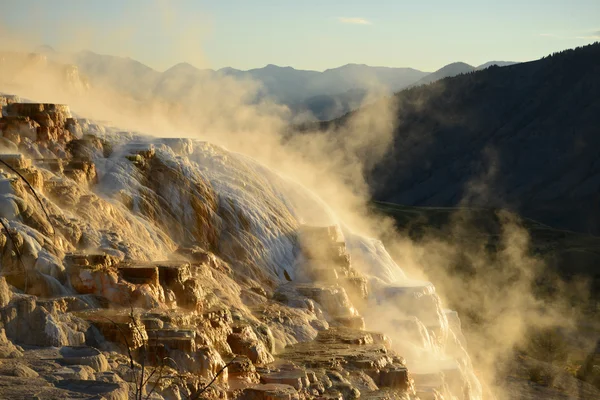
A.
x: 139, y: 266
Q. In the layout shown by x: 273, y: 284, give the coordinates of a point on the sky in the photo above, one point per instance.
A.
x: 307, y: 34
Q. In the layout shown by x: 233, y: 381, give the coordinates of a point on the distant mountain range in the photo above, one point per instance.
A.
x: 525, y: 137
x: 458, y: 68
x: 325, y: 107
x: 325, y: 95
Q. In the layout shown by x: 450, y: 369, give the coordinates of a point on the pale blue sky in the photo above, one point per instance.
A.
x: 305, y: 34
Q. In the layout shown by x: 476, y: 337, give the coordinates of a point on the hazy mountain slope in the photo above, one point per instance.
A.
x: 498, y: 63
x: 360, y: 81
x: 180, y: 82
x: 289, y: 85
x: 123, y: 74
x: 324, y: 107
x: 449, y: 70
x: 523, y: 136
x: 284, y: 84
x: 353, y: 76
x: 326, y: 95
x: 17, y: 70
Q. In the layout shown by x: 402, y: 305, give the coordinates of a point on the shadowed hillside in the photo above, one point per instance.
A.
x: 449, y: 70
x: 524, y: 137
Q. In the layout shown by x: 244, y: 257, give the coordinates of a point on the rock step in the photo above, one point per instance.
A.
x: 354, y: 322
x: 244, y: 341
x: 323, y: 244
x: 325, y: 251
x: 6, y: 99
x: 139, y: 274
x: 36, y: 122
x: 271, y: 391
x: 68, y: 194
x: 31, y: 174
x: 298, y: 379
x: 352, y: 350
x: 86, y: 147
x: 143, y: 149
x: 161, y: 346
x: 74, y: 303
x: 320, y: 233
x: 172, y: 339
x: 412, y: 291
x: 332, y: 298
x: 418, y: 300
x: 241, y: 366
x: 117, y: 326
x: 170, y: 319
x: 352, y: 336
x: 113, y: 391
x: 171, y: 333
x: 80, y: 259
x: 80, y: 163
x: 167, y: 272
x: 36, y: 109
x: 84, y: 355
x: 396, y: 377
x: 428, y: 380
x: 15, y: 160
x: 341, y: 347
x: 55, y: 165
x: 357, y: 286
x: 81, y: 171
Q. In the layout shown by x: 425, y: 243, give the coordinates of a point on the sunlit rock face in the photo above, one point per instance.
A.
x: 194, y: 258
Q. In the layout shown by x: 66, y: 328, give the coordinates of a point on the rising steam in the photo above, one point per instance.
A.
x: 333, y: 164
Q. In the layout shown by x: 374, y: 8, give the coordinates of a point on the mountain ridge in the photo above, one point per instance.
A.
x: 327, y: 94
x: 521, y: 137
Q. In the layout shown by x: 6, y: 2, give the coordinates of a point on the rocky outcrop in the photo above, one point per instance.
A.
x: 353, y: 353
x: 7, y: 348
x: 245, y: 342
x: 28, y: 322
x: 83, y: 355
x: 37, y: 122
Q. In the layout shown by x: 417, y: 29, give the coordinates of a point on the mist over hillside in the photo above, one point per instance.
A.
x: 283, y: 85
x: 522, y: 137
x: 309, y: 94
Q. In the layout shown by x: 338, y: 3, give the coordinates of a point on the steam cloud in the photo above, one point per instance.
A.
x: 332, y: 164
